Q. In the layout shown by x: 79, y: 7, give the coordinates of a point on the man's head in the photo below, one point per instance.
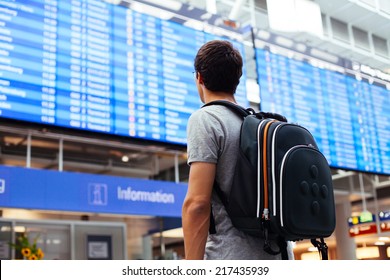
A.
x: 220, y: 66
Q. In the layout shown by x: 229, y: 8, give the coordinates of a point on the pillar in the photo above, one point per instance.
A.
x: 345, y: 245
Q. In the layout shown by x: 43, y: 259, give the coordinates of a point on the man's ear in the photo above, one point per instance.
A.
x: 199, y: 78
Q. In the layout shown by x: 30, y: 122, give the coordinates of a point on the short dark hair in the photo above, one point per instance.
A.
x: 220, y: 66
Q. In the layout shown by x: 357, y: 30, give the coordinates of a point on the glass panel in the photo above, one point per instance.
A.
x: 5, y: 240
x: 54, y: 240
x: 110, y: 236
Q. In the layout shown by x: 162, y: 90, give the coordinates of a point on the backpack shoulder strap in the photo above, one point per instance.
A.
x: 246, y: 112
x: 242, y: 112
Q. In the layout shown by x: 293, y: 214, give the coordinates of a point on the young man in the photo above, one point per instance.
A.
x: 213, y: 139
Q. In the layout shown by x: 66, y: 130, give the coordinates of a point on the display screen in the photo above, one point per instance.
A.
x: 99, y: 67
x: 348, y: 115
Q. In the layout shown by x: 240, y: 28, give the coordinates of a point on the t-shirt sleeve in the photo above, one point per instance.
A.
x: 204, y: 135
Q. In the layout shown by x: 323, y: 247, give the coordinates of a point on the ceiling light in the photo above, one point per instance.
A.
x: 195, y: 24
x: 310, y: 256
x: 367, y: 252
x: 150, y: 10
x: 20, y: 229
x: 262, y: 34
x: 171, y: 233
x: 206, y: 16
x: 170, y: 4
x: 125, y: 158
x: 300, y: 47
x: 312, y: 249
x: 384, y: 238
x: 324, y: 55
x: 115, y: 2
x: 284, y: 41
x: 5, y: 228
x: 387, y: 70
x: 355, y: 66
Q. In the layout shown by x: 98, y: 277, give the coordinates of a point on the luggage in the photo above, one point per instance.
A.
x: 282, y: 188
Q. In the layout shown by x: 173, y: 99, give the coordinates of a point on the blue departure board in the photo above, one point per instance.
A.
x: 90, y: 65
x: 349, y: 116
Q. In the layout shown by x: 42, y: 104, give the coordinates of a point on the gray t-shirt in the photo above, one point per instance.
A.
x: 213, y: 136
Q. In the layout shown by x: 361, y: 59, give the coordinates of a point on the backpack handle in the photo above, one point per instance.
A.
x: 269, y: 115
x: 246, y: 112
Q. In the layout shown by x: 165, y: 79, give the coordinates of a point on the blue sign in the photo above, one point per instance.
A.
x: 361, y: 219
x: 99, y: 67
x: 384, y: 216
x: 66, y: 191
x: 349, y: 116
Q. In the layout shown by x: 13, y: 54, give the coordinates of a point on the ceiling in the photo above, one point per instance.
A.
x: 357, y: 30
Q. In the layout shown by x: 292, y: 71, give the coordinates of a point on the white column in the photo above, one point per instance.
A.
x: 236, y: 9
x: 147, y: 247
x: 211, y: 6
x: 61, y: 155
x: 345, y: 245
x: 28, y: 155
x: 177, y: 177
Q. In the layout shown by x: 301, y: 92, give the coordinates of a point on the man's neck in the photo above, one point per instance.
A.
x: 212, y: 96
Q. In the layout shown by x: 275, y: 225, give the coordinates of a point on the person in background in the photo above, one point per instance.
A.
x: 213, y: 144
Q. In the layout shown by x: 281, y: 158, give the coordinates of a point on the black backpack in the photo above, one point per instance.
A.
x: 282, y: 188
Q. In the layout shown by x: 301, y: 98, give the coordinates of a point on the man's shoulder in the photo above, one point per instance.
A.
x: 216, y: 111
x: 205, y: 113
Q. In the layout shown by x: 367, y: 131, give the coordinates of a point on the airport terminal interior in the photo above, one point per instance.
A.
x: 95, y: 96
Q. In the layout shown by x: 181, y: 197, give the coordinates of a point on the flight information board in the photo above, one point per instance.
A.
x: 90, y: 65
x: 348, y: 115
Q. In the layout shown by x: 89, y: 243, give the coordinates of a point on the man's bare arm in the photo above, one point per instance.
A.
x: 196, y: 209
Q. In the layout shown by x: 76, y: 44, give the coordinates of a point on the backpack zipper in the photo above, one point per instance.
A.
x: 265, y: 171
x: 273, y: 169
x: 259, y: 168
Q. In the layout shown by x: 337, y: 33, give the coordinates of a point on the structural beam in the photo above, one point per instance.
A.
x: 342, y: 174
x: 211, y: 6
x: 236, y: 9
x: 28, y: 155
